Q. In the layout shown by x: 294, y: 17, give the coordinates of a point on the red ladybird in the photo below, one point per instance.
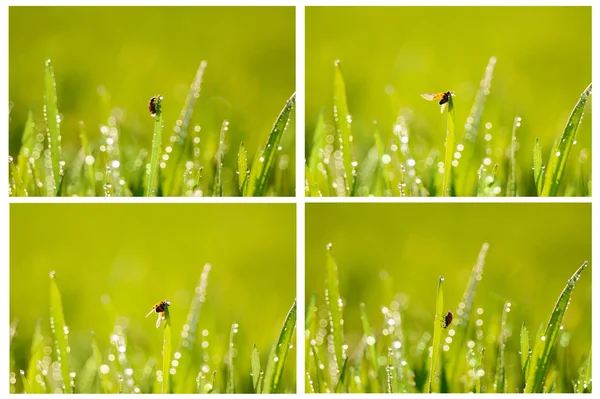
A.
x: 153, y: 104
x: 447, y: 319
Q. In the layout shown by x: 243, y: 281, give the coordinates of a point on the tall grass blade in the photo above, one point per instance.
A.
x: 334, y: 302
x: 218, y: 183
x: 525, y: 351
x: 35, y: 360
x: 263, y: 164
x: 167, y: 350
x: 89, y: 159
x: 449, y: 151
x: 230, y: 359
x: 319, y: 136
x: 343, y: 122
x: 370, y: 338
x: 152, y: 181
x: 26, y: 150
x: 276, y: 362
x: 437, y: 335
x: 311, y: 313
x: 52, y: 119
x: 256, y: 369
x: 243, y: 171
x: 61, y: 333
x: 543, y: 347
x: 501, y: 384
x: 538, y: 167
x: 511, y: 187
x: 562, y: 148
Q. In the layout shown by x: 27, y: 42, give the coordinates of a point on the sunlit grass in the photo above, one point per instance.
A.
x: 125, y: 368
x: 474, y: 163
x: 186, y: 163
x: 479, y: 351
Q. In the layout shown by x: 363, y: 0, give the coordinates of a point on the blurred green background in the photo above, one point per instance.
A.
x: 544, y: 63
x: 139, y: 254
x: 138, y: 52
x: 534, y: 250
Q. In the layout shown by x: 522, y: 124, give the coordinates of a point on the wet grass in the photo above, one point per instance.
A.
x: 475, y: 352
x: 188, y: 163
x: 474, y: 163
x: 124, y: 368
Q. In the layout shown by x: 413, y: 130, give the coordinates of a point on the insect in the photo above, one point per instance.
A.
x: 160, y: 309
x: 153, y: 104
x: 443, y: 97
x: 446, y: 320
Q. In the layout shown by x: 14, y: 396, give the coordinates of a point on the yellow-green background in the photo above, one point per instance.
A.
x: 138, y: 52
x: 544, y: 62
x: 534, y: 250
x: 139, y: 254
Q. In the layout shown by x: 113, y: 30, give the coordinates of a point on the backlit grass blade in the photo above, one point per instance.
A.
x: 89, y: 161
x: 583, y: 384
x: 562, y: 148
x: 35, y: 359
x: 60, y: 332
x: 218, y: 182
x: 343, y: 122
x: 167, y: 350
x: 52, y: 119
x: 582, y: 184
x: 230, y: 359
x: 17, y: 182
x: 501, y: 384
x: 538, y: 167
x: 319, y: 137
x: 370, y: 338
x: 276, y: 362
x: 525, y: 351
x: 310, y: 312
x: 334, y: 302
x: 256, y: 369
x: 543, y: 347
x: 263, y: 164
x: 27, y: 143
x: 511, y: 187
x: 385, y: 163
x: 437, y: 335
x: 339, y: 388
x: 152, y: 182
x: 242, y: 171
x: 449, y: 151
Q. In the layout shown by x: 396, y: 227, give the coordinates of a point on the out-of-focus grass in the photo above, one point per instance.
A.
x: 149, y: 50
x: 389, y: 257
x: 113, y: 267
x: 391, y: 55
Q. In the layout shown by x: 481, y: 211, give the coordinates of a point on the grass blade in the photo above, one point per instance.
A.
x: 562, y: 148
x: 167, y: 350
x: 334, y: 301
x: 218, y: 183
x: 310, y: 311
x: 511, y: 187
x: 370, y: 337
x: 437, y: 334
x: 60, y: 332
x: 525, y: 351
x: 538, y: 167
x: 343, y: 122
x: 256, y: 370
x: 151, y: 186
x: 276, y: 362
x: 449, y: 151
x: 501, y: 384
x: 544, y: 346
x: 242, y: 171
x: 319, y: 137
x: 89, y: 159
x: 230, y: 361
x: 37, y: 354
x: 27, y: 143
x: 263, y: 164
x: 52, y: 120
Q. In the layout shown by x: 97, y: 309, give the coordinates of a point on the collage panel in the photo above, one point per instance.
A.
x: 152, y: 298
x: 448, y: 101
x: 151, y: 101
x: 459, y: 298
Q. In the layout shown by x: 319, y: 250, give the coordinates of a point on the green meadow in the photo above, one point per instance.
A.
x: 80, y: 83
x: 517, y: 123
x: 381, y: 280
x: 84, y: 276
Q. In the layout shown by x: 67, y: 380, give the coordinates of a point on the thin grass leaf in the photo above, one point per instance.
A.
x: 242, y: 171
x: 35, y: 359
x: 334, y: 302
x: 511, y: 187
x: 256, y: 369
x: 167, y: 350
x: 544, y: 346
x: 343, y: 122
x: 52, y: 119
x: 501, y: 384
x: 60, y: 332
x: 339, y: 388
x: 310, y: 311
x: 319, y: 137
x: 27, y: 143
x: 480, y: 366
x: 538, y: 167
x: 89, y: 159
x: 276, y: 362
x: 582, y: 189
x: 385, y: 163
x: 230, y: 361
x: 218, y: 182
x: 437, y: 334
x: 449, y: 151
x: 263, y: 164
x: 562, y: 148
x: 151, y: 187
x: 370, y: 338
x: 583, y: 384
x: 17, y: 182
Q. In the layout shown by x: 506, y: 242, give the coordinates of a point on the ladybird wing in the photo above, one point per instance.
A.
x: 150, y: 312
x: 160, y: 318
x: 428, y: 96
x: 442, y: 108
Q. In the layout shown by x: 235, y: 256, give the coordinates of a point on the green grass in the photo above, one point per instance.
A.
x: 114, y: 164
x: 480, y: 162
x: 475, y: 353
x: 122, y: 368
